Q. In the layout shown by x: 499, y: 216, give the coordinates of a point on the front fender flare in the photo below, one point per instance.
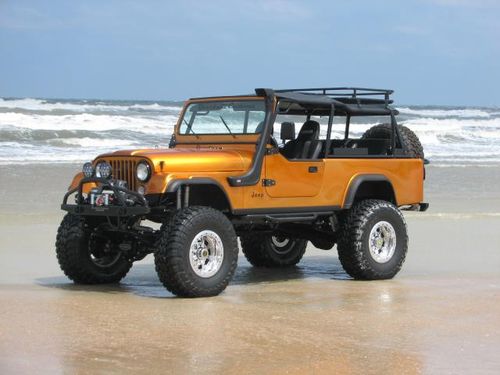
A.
x: 174, y: 185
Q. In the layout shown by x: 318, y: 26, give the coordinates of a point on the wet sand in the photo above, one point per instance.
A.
x: 441, y: 314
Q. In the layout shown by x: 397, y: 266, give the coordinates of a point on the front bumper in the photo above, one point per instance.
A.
x: 137, y: 206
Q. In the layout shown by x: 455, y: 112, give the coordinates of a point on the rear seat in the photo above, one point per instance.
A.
x: 367, y: 146
x: 375, y: 146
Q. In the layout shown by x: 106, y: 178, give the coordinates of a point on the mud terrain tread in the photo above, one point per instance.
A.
x: 350, y: 245
x: 255, y: 251
x: 174, y: 235
x: 252, y: 250
x: 412, y: 143
x: 70, y: 236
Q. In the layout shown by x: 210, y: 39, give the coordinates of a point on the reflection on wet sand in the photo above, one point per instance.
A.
x: 295, y: 321
x: 287, y: 321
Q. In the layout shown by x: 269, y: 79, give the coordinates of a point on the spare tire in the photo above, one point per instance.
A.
x: 410, y: 139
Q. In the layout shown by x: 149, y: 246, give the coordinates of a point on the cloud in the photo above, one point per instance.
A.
x: 467, y: 3
x: 27, y: 18
x: 281, y: 8
x: 251, y: 10
x: 412, y: 30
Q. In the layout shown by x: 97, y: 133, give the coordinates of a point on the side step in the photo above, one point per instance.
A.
x: 286, y: 218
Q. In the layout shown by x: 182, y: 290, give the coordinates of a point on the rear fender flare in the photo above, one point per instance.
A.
x: 357, y: 181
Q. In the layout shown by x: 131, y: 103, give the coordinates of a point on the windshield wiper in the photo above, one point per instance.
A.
x: 227, y: 127
x: 189, y: 128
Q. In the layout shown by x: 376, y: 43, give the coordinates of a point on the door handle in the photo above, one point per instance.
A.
x: 313, y: 169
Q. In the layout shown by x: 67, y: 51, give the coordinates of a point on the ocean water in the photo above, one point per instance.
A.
x: 54, y: 131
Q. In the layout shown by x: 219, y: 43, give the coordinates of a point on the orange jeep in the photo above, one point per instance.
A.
x: 225, y: 176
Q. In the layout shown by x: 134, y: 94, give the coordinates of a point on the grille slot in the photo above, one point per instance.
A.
x: 124, y: 169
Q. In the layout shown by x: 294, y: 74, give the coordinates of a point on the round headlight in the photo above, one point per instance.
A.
x: 103, y: 169
x: 88, y: 170
x: 143, y: 171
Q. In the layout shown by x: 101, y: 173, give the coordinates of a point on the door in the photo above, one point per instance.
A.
x: 292, y: 178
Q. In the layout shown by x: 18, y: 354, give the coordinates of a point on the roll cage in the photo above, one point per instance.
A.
x: 327, y: 101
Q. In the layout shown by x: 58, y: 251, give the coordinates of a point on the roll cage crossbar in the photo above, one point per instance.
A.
x: 348, y: 95
x: 328, y: 101
x: 347, y: 101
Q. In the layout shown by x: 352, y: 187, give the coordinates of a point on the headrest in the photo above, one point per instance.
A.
x: 309, y: 131
x: 287, y: 131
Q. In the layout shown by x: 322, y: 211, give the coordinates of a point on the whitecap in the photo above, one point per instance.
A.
x: 462, y: 113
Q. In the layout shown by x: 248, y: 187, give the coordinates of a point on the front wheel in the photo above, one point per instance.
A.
x: 373, y: 240
x: 197, y: 252
x: 272, y: 250
x: 86, y: 258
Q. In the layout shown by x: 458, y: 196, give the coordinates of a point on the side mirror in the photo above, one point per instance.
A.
x: 172, y: 142
x: 287, y: 131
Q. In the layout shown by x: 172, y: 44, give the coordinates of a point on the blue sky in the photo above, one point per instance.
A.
x: 429, y: 51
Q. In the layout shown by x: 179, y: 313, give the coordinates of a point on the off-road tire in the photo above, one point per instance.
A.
x: 353, y: 246
x: 173, y: 251
x: 260, y: 251
x: 410, y: 139
x: 73, y: 255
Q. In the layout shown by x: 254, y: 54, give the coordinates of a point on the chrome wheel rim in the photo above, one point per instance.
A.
x: 280, y: 244
x: 206, y: 253
x: 382, y: 242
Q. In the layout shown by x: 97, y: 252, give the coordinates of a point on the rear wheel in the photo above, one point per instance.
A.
x: 272, y: 250
x: 86, y: 258
x: 410, y: 139
x: 197, y: 252
x: 373, y: 240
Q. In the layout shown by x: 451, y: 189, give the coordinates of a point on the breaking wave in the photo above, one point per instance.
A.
x: 83, y: 106
x: 50, y: 130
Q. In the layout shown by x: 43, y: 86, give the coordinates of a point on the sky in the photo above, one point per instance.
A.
x: 431, y: 52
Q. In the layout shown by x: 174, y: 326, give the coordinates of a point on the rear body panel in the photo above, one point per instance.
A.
x: 331, y: 183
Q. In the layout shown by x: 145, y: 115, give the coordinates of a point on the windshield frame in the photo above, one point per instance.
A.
x: 216, y: 137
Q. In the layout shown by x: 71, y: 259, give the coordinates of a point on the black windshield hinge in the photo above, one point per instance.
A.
x: 272, y: 151
x: 268, y: 182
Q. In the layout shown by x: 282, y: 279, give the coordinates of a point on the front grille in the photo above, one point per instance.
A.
x: 124, y: 169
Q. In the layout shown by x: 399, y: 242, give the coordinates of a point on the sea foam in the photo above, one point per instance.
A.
x: 50, y: 130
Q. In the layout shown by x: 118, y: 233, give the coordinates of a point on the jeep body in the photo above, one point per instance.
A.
x: 224, y: 155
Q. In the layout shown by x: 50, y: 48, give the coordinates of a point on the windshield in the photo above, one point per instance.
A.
x: 224, y: 117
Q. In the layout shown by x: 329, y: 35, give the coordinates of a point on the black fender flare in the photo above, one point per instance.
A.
x: 356, y: 183
x: 176, y: 184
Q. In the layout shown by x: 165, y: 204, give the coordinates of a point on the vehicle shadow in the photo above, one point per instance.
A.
x: 143, y: 281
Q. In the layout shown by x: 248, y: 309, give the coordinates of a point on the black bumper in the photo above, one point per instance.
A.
x: 423, y: 207
x: 121, y: 209
x: 417, y: 207
x: 88, y: 210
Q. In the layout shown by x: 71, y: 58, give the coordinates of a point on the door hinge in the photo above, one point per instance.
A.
x: 268, y: 182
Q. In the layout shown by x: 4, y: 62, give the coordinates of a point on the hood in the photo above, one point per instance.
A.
x: 190, y: 159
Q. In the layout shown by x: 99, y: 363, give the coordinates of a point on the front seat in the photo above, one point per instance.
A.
x: 307, y: 144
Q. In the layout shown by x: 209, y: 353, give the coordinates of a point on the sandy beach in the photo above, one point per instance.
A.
x: 440, y: 315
